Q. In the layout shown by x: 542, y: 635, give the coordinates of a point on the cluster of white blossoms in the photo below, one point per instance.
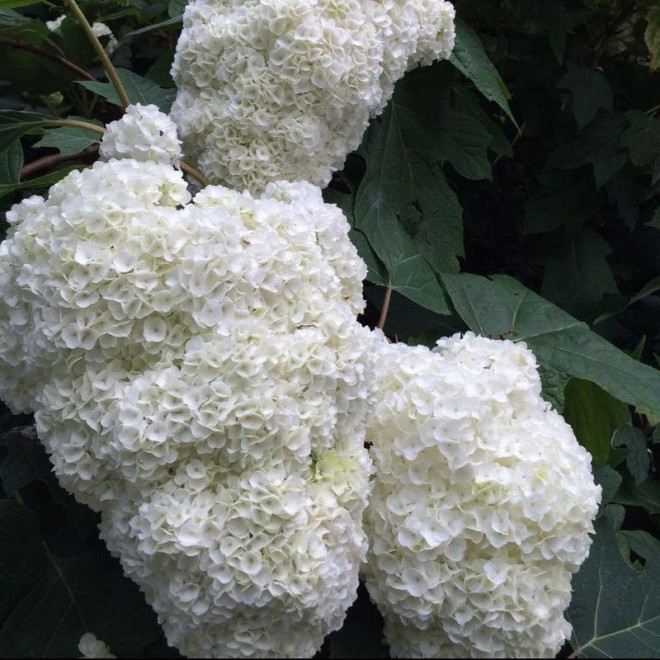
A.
x: 143, y: 133
x: 284, y: 89
x: 482, y: 505
x: 198, y: 377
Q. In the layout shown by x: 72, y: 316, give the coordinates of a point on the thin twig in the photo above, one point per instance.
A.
x: 62, y: 61
x: 48, y: 162
x: 385, y: 308
x: 100, y: 51
x: 191, y: 171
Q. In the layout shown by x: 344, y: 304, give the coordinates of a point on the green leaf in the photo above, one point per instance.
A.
x: 595, y: 145
x: 502, y: 307
x: 434, y: 118
x: 83, y: 593
x: 25, y: 462
x: 396, y: 178
x: 139, y: 90
x: 637, y: 458
x: 568, y: 200
x: 655, y: 220
x: 68, y: 140
x: 645, y: 495
x: 22, y: 556
x: 594, y: 415
x: 12, y: 4
x: 609, y: 480
x: 640, y: 542
x: 590, y: 91
x: 615, y: 610
x: 642, y: 137
x: 470, y: 58
x: 11, y: 162
x: 176, y: 7
x: 577, y: 271
x: 14, y: 123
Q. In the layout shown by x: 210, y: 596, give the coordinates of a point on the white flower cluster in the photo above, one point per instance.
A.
x: 143, y: 133
x: 283, y: 89
x: 198, y: 377
x: 482, y: 505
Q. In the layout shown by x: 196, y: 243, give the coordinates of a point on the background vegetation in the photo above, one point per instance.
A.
x: 512, y: 190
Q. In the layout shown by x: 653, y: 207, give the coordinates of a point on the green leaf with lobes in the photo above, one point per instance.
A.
x: 503, y: 307
x: 642, y: 137
x: 637, y: 456
x: 470, y: 58
x: 615, y: 609
x: 11, y: 162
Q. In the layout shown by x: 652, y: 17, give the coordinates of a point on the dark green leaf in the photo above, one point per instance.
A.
x: 595, y: 145
x: 502, y: 307
x: 14, y: 123
x: 615, y: 611
x: 139, y: 90
x: 471, y: 60
x: 609, y: 480
x: 577, y: 271
x: 12, y: 4
x: 68, y: 139
x: 642, y: 137
x: 637, y: 458
x: 567, y: 200
x: 84, y: 593
x: 11, y: 162
x: 176, y: 7
x: 590, y: 91
x: 22, y: 555
x: 641, y: 543
x: 25, y: 462
x: 646, y: 494
x: 594, y: 415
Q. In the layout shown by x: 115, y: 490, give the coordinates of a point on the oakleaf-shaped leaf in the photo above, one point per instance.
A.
x: 637, y: 457
x: 503, y: 307
x: 615, y: 610
x: 470, y: 58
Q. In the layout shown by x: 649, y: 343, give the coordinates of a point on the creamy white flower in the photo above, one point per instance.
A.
x: 91, y: 647
x: 283, y: 89
x: 198, y: 377
x: 482, y: 505
x: 143, y: 133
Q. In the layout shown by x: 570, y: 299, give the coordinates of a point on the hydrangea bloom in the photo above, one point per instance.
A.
x: 482, y: 505
x: 283, y: 89
x: 143, y: 133
x: 198, y: 377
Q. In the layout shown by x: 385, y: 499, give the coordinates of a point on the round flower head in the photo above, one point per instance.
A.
x: 283, y: 89
x: 198, y: 377
x: 482, y: 505
x: 143, y: 133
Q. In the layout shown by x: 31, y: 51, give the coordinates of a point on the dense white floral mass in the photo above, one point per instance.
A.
x: 198, y: 377
x: 482, y: 505
x: 283, y: 89
x: 143, y: 133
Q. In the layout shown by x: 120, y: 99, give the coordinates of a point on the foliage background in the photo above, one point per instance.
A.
x: 512, y: 190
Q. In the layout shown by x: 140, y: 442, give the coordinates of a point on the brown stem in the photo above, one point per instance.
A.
x: 48, y: 162
x: 26, y: 45
x: 385, y: 308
